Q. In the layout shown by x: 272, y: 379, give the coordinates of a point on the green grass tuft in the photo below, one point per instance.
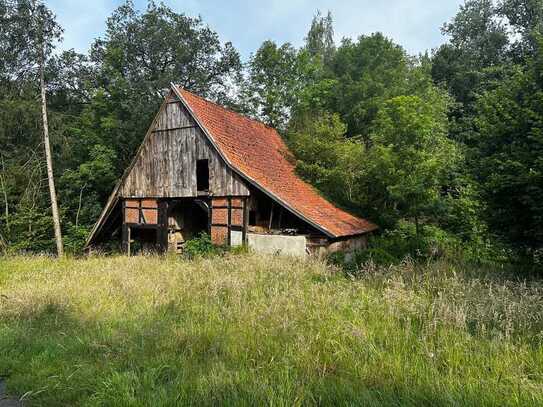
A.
x: 253, y: 330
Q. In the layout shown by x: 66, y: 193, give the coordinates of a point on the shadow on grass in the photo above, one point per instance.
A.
x: 169, y: 358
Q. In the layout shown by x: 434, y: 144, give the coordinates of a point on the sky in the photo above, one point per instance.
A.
x: 414, y: 24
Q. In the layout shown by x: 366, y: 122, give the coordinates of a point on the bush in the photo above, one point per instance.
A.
x: 200, y: 246
x: 393, y: 246
x: 75, y: 238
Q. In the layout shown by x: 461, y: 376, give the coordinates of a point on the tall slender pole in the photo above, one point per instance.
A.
x: 4, y: 191
x: 52, y: 191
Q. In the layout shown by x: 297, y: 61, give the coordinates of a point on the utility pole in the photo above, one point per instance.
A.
x: 52, y: 191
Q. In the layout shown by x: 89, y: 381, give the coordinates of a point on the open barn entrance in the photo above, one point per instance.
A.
x: 157, y: 225
x: 187, y: 218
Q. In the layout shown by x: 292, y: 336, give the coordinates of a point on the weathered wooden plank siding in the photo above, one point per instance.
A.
x: 166, y: 164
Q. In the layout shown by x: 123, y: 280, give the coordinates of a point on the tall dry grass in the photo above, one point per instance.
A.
x: 254, y: 330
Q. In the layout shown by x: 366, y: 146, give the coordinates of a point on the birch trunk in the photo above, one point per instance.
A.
x: 5, y: 193
x: 52, y: 191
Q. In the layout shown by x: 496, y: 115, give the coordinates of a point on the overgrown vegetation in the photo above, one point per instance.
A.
x: 257, y: 330
x: 449, y: 141
x: 432, y: 244
x: 200, y: 246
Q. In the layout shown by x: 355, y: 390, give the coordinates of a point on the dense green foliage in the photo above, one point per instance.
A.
x: 199, y: 246
x: 449, y: 142
x: 259, y: 330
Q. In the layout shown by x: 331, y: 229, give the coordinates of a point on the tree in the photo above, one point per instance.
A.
x: 47, y: 145
x: 319, y: 41
x: 478, y: 30
x: 478, y: 47
x: 325, y: 157
x: 150, y: 50
x: 141, y: 54
x: 492, y: 67
x: 366, y: 73
x: 28, y: 43
x: 506, y: 156
x: 371, y: 132
x: 273, y: 84
x: 410, y: 156
x: 282, y: 81
x: 526, y: 19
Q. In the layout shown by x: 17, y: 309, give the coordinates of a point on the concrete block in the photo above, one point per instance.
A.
x: 278, y: 244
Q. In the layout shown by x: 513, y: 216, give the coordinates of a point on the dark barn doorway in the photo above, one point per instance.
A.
x: 187, y: 218
x: 157, y: 225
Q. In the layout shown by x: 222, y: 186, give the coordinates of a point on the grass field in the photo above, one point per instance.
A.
x: 253, y: 330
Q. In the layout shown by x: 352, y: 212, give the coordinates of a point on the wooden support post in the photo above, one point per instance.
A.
x: 271, y: 217
x: 245, y: 221
x: 129, y: 246
x: 162, y: 229
x: 125, y: 238
x: 209, y: 216
x: 229, y: 223
x: 125, y: 245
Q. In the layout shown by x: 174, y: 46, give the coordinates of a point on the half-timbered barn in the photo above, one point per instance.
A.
x: 204, y: 168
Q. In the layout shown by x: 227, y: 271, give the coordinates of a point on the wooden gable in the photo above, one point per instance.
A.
x: 165, y: 166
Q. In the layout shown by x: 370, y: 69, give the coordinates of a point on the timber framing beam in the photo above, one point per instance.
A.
x: 174, y: 128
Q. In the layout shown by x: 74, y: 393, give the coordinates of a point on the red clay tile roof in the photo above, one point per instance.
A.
x: 259, y: 153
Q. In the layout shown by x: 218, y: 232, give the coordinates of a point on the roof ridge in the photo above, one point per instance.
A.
x: 227, y: 109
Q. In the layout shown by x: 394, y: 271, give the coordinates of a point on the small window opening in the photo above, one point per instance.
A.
x: 252, y: 218
x: 202, y: 175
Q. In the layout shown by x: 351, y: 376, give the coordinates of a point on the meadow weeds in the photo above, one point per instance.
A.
x: 251, y: 330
